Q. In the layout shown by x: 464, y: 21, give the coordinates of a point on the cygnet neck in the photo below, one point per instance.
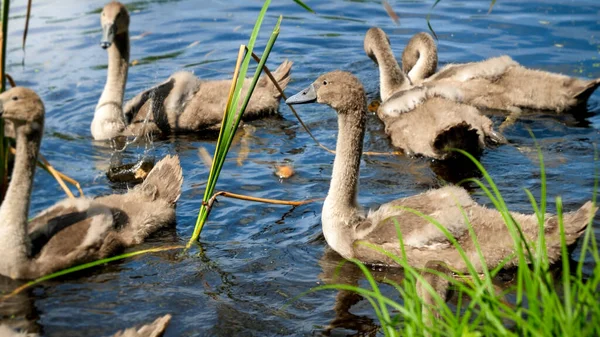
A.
x: 118, y: 66
x: 14, y: 240
x: 343, y: 190
x: 391, y: 77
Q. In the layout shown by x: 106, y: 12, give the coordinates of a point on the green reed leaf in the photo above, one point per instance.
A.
x: 303, y: 5
x: 87, y: 266
x: 233, y: 116
x: 3, y: 140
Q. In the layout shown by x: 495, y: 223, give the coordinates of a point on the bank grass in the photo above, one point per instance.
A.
x: 541, y: 299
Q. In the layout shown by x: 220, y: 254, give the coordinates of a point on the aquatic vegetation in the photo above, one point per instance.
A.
x: 5, y: 148
x: 3, y: 141
x: 233, y: 114
x: 545, y: 300
x: 232, y: 284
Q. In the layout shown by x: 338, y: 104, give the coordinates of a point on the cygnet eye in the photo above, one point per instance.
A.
x: 324, y: 82
x: 15, y: 98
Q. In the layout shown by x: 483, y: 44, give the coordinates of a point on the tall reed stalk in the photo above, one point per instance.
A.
x: 3, y: 140
x: 233, y: 112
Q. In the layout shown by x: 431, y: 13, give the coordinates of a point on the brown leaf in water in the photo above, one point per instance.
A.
x: 391, y: 13
x: 373, y: 106
x: 284, y: 171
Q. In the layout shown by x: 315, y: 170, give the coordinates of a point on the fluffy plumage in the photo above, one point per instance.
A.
x: 496, y: 83
x: 73, y: 231
x: 346, y: 227
x: 154, y: 329
x: 425, y: 120
x: 183, y: 103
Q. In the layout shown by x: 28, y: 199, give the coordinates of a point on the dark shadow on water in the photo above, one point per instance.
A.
x: 336, y: 270
x: 18, y: 312
x: 455, y: 170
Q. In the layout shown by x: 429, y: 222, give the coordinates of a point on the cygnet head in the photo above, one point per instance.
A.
x: 339, y: 89
x: 115, y: 21
x: 374, y: 39
x: 22, y: 107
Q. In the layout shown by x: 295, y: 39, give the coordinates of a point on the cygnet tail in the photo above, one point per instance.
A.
x: 282, y: 75
x: 459, y: 136
x: 154, y: 329
x: 166, y: 178
x: 584, y: 94
x: 576, y: 222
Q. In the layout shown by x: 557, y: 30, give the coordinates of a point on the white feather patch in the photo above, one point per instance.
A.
x: 102, y: 221
x: 489, y: 68
x: 408, y: 100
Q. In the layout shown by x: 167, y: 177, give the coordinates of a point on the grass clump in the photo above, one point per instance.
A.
x: 541, y: 300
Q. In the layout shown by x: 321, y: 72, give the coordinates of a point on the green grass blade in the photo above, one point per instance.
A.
x: 589, y: 238
x: 5, y: 11
x: 229, y: 124
x: 246, y: 61
x: 87, y: 266
x: 566, y: 272
x: 257, y: 73
x: 430, y: 27
x: 233, y: 115
x: 303, y: 5
x: 491, y: 6
x: 3, y: 140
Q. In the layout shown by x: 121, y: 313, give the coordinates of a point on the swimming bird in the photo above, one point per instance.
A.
x: 182, y: 103
x: 425, y: 120
x: 73, y: 231
x: 155, y: 329
x: 353, y: 233
x: 496, y: 83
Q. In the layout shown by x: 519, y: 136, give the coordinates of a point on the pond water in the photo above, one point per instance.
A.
x: 254, y: 258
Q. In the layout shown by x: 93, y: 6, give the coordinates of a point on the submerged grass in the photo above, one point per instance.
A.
x: 546, y: 300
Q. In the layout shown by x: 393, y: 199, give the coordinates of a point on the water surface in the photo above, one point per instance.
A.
x: 254, y: 258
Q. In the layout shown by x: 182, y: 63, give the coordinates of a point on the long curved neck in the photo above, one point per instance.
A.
x: 425, y: 54
x: 118, y: 65
x: 343, y: 191
x: 391, y: 77
x: 14, y: 240
x: 108, y: 120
